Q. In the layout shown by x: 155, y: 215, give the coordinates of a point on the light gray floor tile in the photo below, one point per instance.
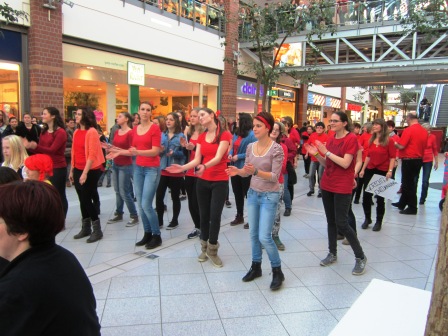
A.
x: 241, y: 304
x: 306, y: 234
x: 420, y: 239
x: 176, y: 284
x: 300, y: 259
x: 316, y: 244
x: 254, y: 326
x: 80, y: 246
x: 423, y: 266
x: 242, y: 247
x: 138, y: 286
x: 119, y: 234
x: 137, y: 330
x: 100, y: 308
x: 101, y: 289
x: 419, y: 283
x: 382, y: 241
x: 405, y: 253
x: 83, y: 258
x: 184, y: 252
x: 196, y: 328
x: 315, y: 276
x: 375, y: 254
x: 230, y: 263
x: 345, y: 271
x: 229, y: 282
x: 317, y: 323
x: 192, y: 307
x: 150, y: 268
x: 131, y: 311
x: 179, y: 266
x: 338, y: 313
x: 335, y: 296
x: 396, y: 270
x: 292, y: 300
x: 291, y: 280
x: 102, y: 257
x: 429, y: 250
x: 125, y: 246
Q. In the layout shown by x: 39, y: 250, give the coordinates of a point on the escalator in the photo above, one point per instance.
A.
x: 441, y: 114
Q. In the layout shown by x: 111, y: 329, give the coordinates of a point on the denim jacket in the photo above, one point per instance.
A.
x: 242, y: 149
x: 178, y: 156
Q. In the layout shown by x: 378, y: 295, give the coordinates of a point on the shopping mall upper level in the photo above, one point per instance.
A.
x: 369, y: 47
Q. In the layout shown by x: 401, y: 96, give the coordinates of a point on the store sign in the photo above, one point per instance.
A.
x: 393, y: 98
x: 354, y: 107
x: 286, y: 94
x: 315, y: 99
x: 250, y: 89
x: 136, y: 74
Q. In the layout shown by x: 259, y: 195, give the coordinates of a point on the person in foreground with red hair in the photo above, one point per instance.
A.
x: 39, y: 167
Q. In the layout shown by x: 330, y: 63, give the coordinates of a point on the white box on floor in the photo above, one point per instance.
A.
x: 386, y: 308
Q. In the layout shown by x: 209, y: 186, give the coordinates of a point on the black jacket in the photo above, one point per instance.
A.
x: 44, y: 291
x: 31, y: 134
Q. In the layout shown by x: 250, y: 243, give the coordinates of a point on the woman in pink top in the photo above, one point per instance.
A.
x: 146, y: 147
x: 430, y: 156
x: 264, y: 161
x: 122, y: 171
x: 213, y: 183
x: 87, y: 167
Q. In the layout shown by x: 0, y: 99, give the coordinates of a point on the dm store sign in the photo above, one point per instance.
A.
x: 249, y: 89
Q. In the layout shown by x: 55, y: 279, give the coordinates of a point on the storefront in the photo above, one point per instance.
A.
x: 11, y: 73
x: 282, y: 99
x: 100, y: 79
x: 321, y: 107
x: 355, y: 112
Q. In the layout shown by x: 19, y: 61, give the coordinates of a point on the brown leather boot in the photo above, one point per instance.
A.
x: 239, y: 219
x: 212, y: 253
x: 203, y: 256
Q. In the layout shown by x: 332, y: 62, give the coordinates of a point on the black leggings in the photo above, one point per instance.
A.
x: 190, y: 187
x: 211, y: 197
x: 240, y: 186
x: 86, y: 192
x: 174, y: 183
x: 58, y: 181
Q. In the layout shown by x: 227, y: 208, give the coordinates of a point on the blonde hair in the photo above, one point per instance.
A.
x: 18, y: 152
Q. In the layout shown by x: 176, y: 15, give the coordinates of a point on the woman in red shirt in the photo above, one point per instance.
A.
x: 192, y: 134
x: 430, y: 155
x: 52, y: 142
x: 87, y: 167
x: 337, y: 184
x: 122, y: 172
x: 213, y: 183
x: 145, y: 147
x: 380, y: 160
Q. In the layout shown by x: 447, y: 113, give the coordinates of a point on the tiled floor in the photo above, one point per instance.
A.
x: 168, y: 292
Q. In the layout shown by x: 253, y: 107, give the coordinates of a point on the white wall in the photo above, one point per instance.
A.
x: 19, y: 5
x: 128, y: 27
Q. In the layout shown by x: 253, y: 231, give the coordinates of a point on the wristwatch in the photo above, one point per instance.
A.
x: 255, y: 172
x: 328, y: 153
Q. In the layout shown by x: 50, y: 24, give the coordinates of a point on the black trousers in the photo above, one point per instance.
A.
x: 211, y: 197
x: 58, y: 181
x: 174, y: 183
x: 306, y: 163
x: 240, y: 186
x: 367, y: 197
x: 87, y: 191
x: 410, y: 171
x: 190, y: 188
x: 336, y: 210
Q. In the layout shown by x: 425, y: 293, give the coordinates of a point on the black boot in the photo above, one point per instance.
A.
x: 277, y: 278
x: 86, y: 229
x: 254, y: 272
x: 156, y: 241
x: 366, y: 223
x: 146, y: 239
x: 377, y: 226
x: 97, y: 234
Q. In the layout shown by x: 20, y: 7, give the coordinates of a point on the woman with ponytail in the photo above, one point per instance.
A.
x: 212, y: 185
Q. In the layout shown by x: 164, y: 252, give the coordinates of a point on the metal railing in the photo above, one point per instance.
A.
x: 195, y: 12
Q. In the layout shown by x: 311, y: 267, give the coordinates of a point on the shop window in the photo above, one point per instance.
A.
x: 10, y: 88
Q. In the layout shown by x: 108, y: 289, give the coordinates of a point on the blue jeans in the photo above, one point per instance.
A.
x: 426, y: 167
x: 122, y: 185
x: 146, y: 180
x: 286, y: 194
x: 261, y: 209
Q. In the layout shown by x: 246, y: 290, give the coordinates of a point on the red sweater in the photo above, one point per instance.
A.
x: 53, y: 144
x: 431, y: 149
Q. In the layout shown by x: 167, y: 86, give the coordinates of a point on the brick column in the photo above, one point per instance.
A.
x: 229, y: 79
x: 303, y: 105
x: 45, y: 58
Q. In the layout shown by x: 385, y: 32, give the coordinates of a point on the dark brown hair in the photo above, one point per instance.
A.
x: 88, y: 118
x: 41, y: 215
x: 177, y: 125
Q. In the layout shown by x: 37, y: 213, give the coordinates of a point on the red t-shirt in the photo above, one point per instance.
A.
x: 363, y: 140
x: 208, y: 152
x: 312, y: 141
x: 305, y: 136
x: 79, y: 146
x: 53, y: 144
x: 294, y: 136
x: 236, y: 145
x: 335, y: 178
x: 192, y: 155
x: 146, y: 141
x: 431, y: 149
x: 380, y: 155
x: 396, y: 138
x: 330, y: 133
x: 124, y: 142
x: 414, y: 139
